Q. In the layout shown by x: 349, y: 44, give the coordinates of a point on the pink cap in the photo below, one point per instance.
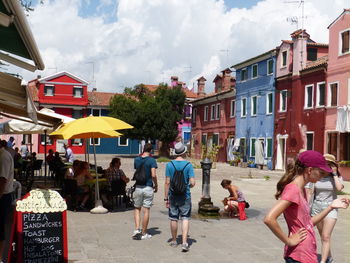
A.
x: 314, y: 159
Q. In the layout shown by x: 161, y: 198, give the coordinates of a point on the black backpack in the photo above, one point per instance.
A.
x: 178, y: 185
x: 140, y: 174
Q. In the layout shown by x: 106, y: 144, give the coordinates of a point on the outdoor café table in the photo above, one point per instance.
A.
x: 91, y: 182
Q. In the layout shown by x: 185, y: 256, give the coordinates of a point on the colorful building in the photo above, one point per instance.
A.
x: 301, y: 69
x: 255, y: 96
x: 213, y: 117
x: 337, y: 126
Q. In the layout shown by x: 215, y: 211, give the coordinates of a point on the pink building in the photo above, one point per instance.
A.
x: 337, y: 128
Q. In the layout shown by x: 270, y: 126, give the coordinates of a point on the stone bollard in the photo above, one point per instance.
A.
x: 205, y: 205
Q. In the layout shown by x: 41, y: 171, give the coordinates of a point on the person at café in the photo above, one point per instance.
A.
x: 69, y: 155
x: 23, y: 150
x: 11, y: 143
x: 82, y: 174
x: 18, y: 162
x: 6, y: 188
x: 58, y: 168
x: 117, y: 179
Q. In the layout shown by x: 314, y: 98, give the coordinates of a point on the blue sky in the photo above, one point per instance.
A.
x: 121, y: 43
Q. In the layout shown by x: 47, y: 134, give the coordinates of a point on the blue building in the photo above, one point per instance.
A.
x: 255, y: 99
x: 98, y: 106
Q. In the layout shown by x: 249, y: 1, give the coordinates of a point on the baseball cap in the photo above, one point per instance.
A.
x: 314, y: 159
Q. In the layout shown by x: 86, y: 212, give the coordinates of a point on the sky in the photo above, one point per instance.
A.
x: 114, y: 44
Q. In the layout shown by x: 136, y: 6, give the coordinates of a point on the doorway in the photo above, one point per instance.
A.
x: 281, y: 153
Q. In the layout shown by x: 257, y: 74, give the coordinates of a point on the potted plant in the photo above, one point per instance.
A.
x: 251, y: 164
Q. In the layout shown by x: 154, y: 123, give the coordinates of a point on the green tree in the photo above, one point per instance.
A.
x: 154, y: 115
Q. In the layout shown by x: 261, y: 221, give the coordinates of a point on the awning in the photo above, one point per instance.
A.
x: 343, y: 119
x: 17, y: 44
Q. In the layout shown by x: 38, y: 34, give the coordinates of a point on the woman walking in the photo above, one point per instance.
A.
x: 324, y: 192
x: 300, y: 243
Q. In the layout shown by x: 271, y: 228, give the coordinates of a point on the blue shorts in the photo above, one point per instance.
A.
x: 180, y: 208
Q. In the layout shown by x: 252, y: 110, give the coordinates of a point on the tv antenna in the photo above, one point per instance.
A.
x: 301, y: 4
x: 93, y: 82
x: 226, y: 51
x: 189, y: 71
x: 293, y: 20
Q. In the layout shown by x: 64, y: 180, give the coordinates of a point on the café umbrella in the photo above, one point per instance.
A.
x: 92, y: 127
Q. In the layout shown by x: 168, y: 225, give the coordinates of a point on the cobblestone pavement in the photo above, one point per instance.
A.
x: 107, y: 238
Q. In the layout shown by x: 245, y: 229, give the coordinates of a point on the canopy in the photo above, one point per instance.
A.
x: 25, y: 126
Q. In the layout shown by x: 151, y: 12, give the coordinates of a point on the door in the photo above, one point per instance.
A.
x: 281, y: 153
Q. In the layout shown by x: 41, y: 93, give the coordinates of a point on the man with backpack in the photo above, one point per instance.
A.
x: 179, y: 178
x: 145, y: 187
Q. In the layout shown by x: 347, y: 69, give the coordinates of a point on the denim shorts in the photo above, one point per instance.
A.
x: 143, y: 196
x: 318, y: 206
x: 290, y: 260
x: 180, y: 208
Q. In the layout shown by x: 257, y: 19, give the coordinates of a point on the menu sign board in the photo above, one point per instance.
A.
x: 39, y: 233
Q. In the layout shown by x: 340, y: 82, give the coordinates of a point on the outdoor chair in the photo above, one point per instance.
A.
x: 37, y: 167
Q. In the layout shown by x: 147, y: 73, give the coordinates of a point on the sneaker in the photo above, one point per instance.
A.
x: 146, y: 236
x: 173, y: 244
x: 185, y: 247
x: 136, y: 234
x: 329, y: 260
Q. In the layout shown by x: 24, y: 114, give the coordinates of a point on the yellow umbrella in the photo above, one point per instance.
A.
x: 92, y: 127
x: 89, y: 125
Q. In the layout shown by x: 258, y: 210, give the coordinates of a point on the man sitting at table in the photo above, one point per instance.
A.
x: 117, y: 179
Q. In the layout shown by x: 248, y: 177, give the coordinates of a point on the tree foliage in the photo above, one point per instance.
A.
x: 154, y: 115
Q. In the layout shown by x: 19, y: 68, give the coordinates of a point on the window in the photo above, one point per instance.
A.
x: 206, y: 112
x: 27, y: 138
x: 242, y: 147
x: 194, y: 113
x: 308, y: 96
x: 283, y: 100
x: 254, y: 103
x: 212, y: 116
x: 49, y: 90
x: 269, y: 104
x: 216, y: 139
x: 333, y: 94
x: 123, y: 141
x: 333, y: 143
x: 244, y: 74
x: 269, y: 67
x: 96, y: 112
x: 77, y: 114
x: 77, y: 142
x: 269, y: 147
x: 320, y: 94
x: 96, y: 140
x: 345, y: 43
x: 252, y: 147
x: 254, y: 71
x: 204, y: 139
x: 218, y: 111
x: 232, y: 108
x: 312, y: 54
x: 244, y: 107
x: 284, y: 58
x: 309, y: 140
x: 49, y: 141
x: 77, y: 92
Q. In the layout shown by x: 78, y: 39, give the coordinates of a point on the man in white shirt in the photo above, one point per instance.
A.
x: 69, y: 154
x: 6, y: 188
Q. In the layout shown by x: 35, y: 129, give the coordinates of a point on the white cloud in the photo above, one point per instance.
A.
x: 151, y: 40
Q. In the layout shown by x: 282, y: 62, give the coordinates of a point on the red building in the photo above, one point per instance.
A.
x: 65, y: 94
x: 301, y: 70
x: 213, y: 116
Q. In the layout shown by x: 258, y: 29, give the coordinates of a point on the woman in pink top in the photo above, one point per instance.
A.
x: 300, y: 243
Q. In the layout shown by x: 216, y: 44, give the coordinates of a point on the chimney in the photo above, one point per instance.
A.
x: 201, y: 86
x: 299, y: 38
x: 226, y: 79
x: 174, y: 81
